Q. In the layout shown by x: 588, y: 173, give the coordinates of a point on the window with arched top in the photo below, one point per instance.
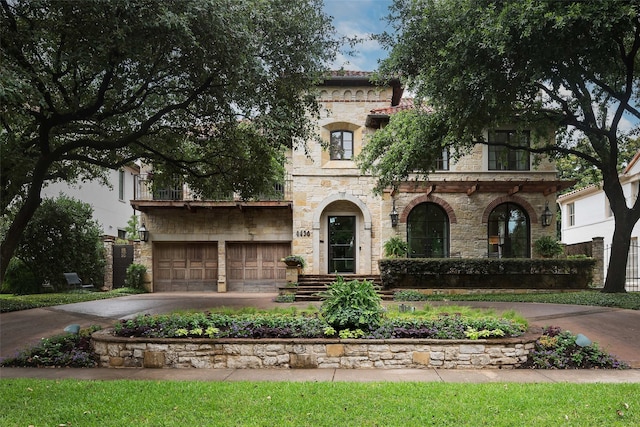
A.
x: 508, y: 231
x: 428, y: 231
x: 341, y: 145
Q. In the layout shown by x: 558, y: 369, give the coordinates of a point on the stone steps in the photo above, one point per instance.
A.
x: 309, y: 285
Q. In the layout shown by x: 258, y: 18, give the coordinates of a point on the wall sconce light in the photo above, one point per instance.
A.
x: 394, y: 215
x: 546, y: 216
x: 143, y: 233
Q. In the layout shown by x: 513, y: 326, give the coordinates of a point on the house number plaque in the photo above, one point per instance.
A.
x: 303, y: 233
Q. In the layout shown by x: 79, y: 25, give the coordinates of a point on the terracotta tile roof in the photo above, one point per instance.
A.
x: 632, y: 162
x: 351, y: 73
x: 405, y: 104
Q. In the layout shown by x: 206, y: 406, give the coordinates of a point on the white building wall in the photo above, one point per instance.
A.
x: 109, y: 210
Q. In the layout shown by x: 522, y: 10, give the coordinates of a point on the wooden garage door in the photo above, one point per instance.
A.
x: 256, y: 267
x: 185, y: 267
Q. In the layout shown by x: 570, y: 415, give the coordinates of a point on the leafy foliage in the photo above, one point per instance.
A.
x: 563, y: 67
x: 557, y: 349
x: 547, y: 247
x: 95, y: 85
x: 135, y: 276
x: 61, y: 351
x: 351, y: 304
x: 395, y: 247
x: 310, y: 325
x: 62, y: 236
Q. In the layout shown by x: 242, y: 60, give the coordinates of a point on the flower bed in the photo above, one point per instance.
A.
x: 237, y: 353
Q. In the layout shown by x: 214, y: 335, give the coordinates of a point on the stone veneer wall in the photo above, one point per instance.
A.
x: 310, y: 353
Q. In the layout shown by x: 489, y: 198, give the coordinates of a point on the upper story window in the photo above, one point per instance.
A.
x: 120, y: 185
x: 442, y: 163
x: 341, y: 146
x: 504, y: 158
x: 571, y: 214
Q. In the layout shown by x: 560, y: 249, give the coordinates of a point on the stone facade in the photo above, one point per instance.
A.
x: 320, y: 190
x: 116, y: 352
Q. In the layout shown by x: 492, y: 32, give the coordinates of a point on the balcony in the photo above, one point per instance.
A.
x: 180, y: 195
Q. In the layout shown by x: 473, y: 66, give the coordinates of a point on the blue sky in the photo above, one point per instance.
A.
x: 359, y: 18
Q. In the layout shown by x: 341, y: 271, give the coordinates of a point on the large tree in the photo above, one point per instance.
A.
x: 210, y: 90
x: 569, y: 66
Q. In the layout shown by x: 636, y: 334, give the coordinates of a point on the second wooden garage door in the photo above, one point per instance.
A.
x: 256, y: 267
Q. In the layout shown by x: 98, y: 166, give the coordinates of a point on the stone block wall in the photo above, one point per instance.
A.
x: 116, y: 352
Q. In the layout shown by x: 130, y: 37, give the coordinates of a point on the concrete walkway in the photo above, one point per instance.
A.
x: 615, y: 330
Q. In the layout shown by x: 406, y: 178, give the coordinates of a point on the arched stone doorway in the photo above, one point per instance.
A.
x: 342, y: 230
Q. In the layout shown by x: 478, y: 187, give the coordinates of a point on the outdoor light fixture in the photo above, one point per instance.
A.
x: 546, y: 216
x: 394, y: 215
x: 143, y: 233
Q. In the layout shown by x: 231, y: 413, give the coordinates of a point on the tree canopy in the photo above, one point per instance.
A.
x: 568, y: 66
x: 212, y: 90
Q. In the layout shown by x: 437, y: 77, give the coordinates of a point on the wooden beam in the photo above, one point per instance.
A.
x: 515, y: 190
x: 551, y: 190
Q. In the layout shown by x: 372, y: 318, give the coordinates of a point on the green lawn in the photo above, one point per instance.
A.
x: 10, y: 302
x: 148, y: 403
x: 630, y: 300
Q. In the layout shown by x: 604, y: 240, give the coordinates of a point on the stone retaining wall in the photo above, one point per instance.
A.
x: 310, y: 353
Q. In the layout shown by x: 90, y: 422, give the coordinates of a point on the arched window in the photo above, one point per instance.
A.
x: 341, y: 146
x: 508, y: 232
x: 428, y: 232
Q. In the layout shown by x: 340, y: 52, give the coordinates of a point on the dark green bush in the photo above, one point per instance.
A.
x: 351, y: 305
x: 135, y: 276
x: 20, y: 279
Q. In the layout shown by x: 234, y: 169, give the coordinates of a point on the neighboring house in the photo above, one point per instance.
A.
x: 487, y: 204
x: 586, y: 214
x: 111, y: 205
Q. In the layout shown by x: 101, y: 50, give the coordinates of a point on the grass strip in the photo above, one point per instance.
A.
x: 170, y: 403
x: 10, y: 302
x: 630, y: 300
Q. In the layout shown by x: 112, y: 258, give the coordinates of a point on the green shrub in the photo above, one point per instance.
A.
x: 547, y: 247
x: 20, y: 279
x: 135, y: 276
x: 395, y: 247
x: 409, y: 295
x: 351, y: 305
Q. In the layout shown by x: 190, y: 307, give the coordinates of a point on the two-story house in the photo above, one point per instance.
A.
x: 490, y: 203
x: 111, y: 203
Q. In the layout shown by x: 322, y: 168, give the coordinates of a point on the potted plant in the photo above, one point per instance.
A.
x: 395, y: 247
x: 547, y: 247
x: 294, y: 261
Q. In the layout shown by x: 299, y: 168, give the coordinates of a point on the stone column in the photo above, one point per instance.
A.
x: 222, y: 266
x: 597, y: 252
x: 108, y: 266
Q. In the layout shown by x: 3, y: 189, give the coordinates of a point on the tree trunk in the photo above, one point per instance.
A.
x: 617, y: 270
x: 22, y: 218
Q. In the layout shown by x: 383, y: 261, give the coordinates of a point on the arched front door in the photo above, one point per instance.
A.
x: 342, y: 243
x: 508, y: 232
x: 428, y: 232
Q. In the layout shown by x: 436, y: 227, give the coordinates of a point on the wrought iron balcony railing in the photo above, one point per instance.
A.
x: 145, y: 190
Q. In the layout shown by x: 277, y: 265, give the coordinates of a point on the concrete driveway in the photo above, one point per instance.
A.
x: 615, y: 330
